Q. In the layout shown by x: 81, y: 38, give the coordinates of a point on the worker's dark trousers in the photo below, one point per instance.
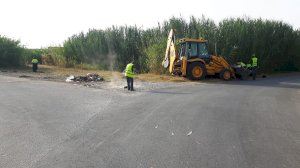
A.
x: 254, y: 73
x: 130, y: 83
x: 34, y: 67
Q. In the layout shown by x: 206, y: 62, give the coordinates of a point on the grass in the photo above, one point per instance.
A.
x: 160, y: 78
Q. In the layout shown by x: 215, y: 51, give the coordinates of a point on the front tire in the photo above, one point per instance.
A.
x: 196, y: 71
x: 225, y: 74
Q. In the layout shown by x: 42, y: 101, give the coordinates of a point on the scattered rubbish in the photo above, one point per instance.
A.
x: 90, y: 77
x: 190, y: 133
x: 156, y: 126
x: 24, y: 76
x: 70, y: 78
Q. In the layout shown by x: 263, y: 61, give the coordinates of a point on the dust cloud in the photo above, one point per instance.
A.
x: 116, y: 81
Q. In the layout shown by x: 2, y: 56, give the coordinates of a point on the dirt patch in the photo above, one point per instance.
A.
x: 111, y: 80
x: 161, y: 78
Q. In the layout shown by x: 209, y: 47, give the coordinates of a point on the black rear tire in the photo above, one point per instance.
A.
x: 196, y: 71
x: 225, y: 74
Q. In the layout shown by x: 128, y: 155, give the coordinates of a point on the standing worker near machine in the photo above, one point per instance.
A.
x: 129, y: 76
x: 34, y: 62
x: 254, y: 66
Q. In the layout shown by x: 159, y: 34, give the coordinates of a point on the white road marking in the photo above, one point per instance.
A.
x: 101, y: 142
x: 198, y: 142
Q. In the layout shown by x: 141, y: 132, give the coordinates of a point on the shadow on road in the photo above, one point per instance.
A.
x: 167, y: 92
x: 290, y: 81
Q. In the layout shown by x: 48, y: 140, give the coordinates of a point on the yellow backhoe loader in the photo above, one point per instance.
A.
x: 192, y: 60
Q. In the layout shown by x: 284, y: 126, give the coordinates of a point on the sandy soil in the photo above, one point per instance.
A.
x: 112, y: 80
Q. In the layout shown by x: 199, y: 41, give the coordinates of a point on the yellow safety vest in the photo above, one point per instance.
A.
x: 254, y: 62
x: 34, y: 61
x: 129, y: 70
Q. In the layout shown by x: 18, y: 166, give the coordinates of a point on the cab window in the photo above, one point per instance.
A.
x: 182, y: 50
x: 203, y: 49
x: 192, y: 50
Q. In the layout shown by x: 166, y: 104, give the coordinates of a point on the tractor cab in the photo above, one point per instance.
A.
x: 191, y: 59
x: 193, y: 48
x: 190, y: 50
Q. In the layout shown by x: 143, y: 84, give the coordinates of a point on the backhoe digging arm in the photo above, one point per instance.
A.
x: 171, y: 54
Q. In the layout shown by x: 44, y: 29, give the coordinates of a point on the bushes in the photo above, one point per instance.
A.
x: 155, y: 56
x: 11, y: 53
x: 53, y: 56
x: 275, y: 43
x: 271, y: 41
x: 109, y: 49
x: 91, y: 48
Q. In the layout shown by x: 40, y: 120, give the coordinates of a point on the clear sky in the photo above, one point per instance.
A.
x: 40, y: 23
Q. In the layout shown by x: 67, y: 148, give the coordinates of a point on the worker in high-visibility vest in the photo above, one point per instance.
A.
x: 34, y: 62
x: 254, y: 64
x: 129, y: 73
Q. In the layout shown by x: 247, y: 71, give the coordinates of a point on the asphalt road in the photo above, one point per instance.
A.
x: 237, y: 124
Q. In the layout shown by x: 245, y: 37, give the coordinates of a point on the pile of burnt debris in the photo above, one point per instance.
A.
x: 90, y: 77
